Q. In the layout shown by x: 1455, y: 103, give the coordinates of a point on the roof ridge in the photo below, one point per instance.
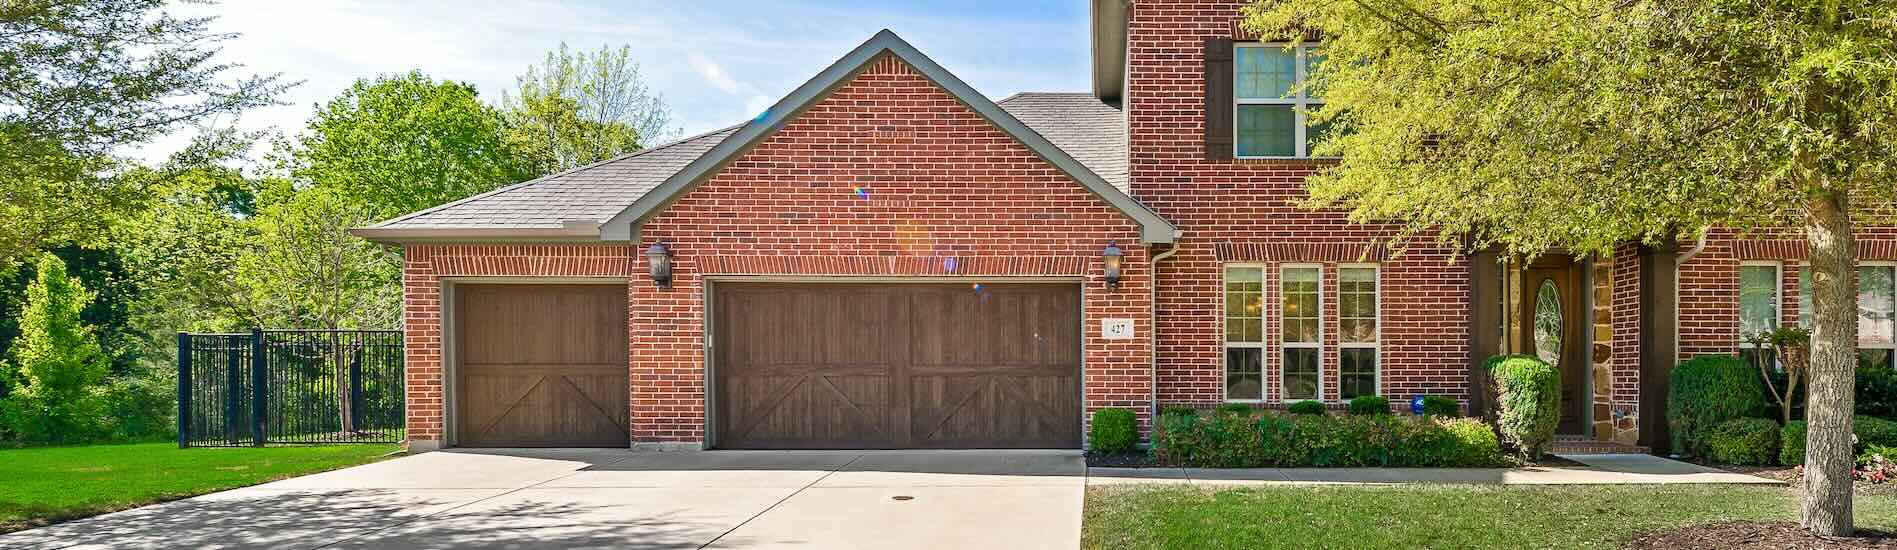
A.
x: 542, y: 179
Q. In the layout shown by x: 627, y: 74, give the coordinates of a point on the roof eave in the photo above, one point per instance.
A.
x: 1109, y: 49
x: 571, y: 232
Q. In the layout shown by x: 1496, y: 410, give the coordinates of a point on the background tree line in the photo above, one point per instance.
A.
x: 103, y: 258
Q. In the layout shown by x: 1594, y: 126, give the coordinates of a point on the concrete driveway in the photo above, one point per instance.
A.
x: 597, y: 498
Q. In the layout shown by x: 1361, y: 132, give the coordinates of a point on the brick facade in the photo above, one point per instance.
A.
x: 1227, y: 208
x: 887, y: 176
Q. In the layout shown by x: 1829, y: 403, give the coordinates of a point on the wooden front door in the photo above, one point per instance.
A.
x: 541, y: 366
x: 864, y: 366
x: 1554, y: 321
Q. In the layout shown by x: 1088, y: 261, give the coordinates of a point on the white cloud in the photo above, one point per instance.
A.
x: 712, y: 72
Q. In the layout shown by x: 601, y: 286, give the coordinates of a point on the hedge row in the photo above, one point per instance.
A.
x: 1271, y: 439
x: 1870, y: 431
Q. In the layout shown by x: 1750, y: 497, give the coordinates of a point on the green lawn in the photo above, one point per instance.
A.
x: 43, y: 485
x: 1439, y: 516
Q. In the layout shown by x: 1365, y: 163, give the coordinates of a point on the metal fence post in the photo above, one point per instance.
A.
x: 259, y: 389
x: 355, y: 385
x: 233, y: 388
x: 184, y: 390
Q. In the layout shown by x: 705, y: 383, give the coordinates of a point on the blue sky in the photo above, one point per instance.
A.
x: 716, y: 62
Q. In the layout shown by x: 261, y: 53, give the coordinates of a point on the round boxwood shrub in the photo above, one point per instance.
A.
x: 1791, y: 443
x: 1370, y: 405
x: 1305, y: 407
x: 1528, y: 398
x: 1114, y: 430
x: 1437, y: 405
x: 1706, y: 391
x: 1749, y: 441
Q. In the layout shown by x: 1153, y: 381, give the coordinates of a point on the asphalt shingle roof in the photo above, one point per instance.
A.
x: 1091, y: 131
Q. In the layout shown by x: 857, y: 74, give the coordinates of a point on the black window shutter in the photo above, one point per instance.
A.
x: 1218, y: 99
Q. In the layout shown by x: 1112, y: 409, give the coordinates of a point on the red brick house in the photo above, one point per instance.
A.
x: 889, y: 259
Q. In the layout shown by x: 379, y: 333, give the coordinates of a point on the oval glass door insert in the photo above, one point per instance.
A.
x: 1548, y: 323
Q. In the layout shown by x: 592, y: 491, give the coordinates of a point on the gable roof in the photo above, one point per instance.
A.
x: 575, y: 204
x: 1153, y: 228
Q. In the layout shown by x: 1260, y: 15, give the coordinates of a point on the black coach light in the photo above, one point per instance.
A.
x: 1112, y: 257
x: 659, y: 259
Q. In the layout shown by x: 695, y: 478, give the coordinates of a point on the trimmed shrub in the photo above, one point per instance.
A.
x: 1706, y: 391
x: 1178, y: 410
x: 1874, y: 431
x: 1877, y: 393
x: 1750, y: 441
x: 1114, y: 430
x: 1437, y: 405
x: 1370, y: 405
x: 1236, y: 408
x: 1791, y: 443
x: 1277, y: 439
x: 1528, y: 396
x: 1869, y: 431
x: 1306, y: 407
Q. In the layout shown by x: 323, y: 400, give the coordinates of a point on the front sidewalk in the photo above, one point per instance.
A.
x: 1604, y: 469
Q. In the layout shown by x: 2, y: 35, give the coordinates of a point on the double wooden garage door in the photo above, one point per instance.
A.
x: 859, y: 366
x: 795, y: 366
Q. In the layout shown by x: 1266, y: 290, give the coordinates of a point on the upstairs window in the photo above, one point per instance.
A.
x: 1271, y: 109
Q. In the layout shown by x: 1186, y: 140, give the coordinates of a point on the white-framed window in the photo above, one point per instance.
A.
x: 1244, y: 333
x: 1758, y: 307
x: 1358, y: 329
x: 1270, y: 111
x: 1876, y: 311
x: 1301, y: 307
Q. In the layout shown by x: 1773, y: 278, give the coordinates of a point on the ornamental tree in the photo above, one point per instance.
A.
x: 1584, y: 124
x: 56, y: 361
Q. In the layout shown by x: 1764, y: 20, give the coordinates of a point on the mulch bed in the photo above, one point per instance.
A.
x: 1749, y: 535
x: 1120, y: 460
x: 1791, y: 476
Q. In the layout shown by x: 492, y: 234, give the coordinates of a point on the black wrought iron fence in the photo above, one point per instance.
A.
x: 273, y: 387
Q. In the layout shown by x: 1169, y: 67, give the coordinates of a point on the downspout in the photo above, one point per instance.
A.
x: 1699, y: 245
x: 1152, y: 315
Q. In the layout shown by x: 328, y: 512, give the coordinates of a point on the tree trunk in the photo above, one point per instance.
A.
x: 1826, y: 503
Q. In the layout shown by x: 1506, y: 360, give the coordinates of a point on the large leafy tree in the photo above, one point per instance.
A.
x: 82, y: 80
x: 576, y: 108
x: 1584, y: 124
x: 400, y: 143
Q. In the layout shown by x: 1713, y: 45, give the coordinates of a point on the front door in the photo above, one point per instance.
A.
x: 1554, y: 319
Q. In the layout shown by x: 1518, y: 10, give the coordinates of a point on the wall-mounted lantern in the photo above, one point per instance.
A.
x: 1113, y: 257
x: 659, y: 260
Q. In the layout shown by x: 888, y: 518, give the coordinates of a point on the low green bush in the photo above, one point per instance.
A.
x: 1437, y: 405
x: 1288, y: 440
x: 1750, y: 441
x: 1877, y: 392
x: 1869, y: 431
x: 1528, y: 397
x: 1370, y: 405
x: 1236, y: 408
x: 1114, y: 430
x: 1706, y: 391
x: 1306, y: 407
x: 1178, y: 410
x: 1791, y: 443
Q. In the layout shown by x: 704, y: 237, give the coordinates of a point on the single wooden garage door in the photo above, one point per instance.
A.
x: 864, y: 366
x: 541, y: 365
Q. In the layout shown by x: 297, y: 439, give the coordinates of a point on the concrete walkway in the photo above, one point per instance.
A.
x: 597, y: 498
x: 1616, y: 469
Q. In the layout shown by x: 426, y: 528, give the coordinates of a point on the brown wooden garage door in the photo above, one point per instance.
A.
x: 815, y: 366
x: 540, y: 365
